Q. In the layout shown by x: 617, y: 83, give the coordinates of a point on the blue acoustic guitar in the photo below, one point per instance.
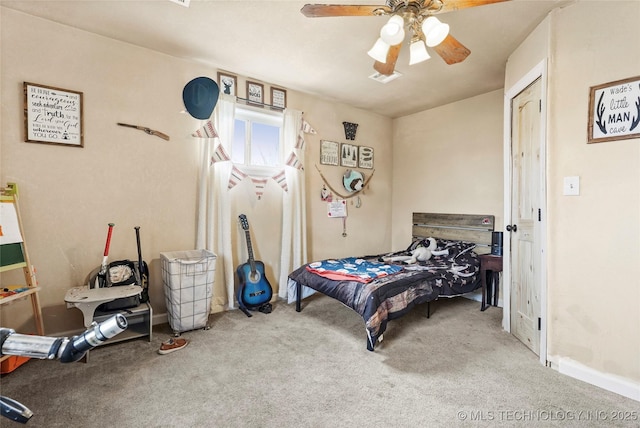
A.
x: 255, y: 291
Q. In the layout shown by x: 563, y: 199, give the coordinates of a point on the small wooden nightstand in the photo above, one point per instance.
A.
x: 490, y: 266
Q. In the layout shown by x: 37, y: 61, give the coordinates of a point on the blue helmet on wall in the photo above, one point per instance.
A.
x: 200, y: 96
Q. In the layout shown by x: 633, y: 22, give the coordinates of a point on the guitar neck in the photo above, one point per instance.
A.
x: 252, y: 262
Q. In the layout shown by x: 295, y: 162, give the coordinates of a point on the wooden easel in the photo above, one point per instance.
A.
x: 14, y: 255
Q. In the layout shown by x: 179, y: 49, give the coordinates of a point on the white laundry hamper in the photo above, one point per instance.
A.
x: 188, y: 288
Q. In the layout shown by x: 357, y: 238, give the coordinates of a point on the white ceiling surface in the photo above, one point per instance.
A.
x: 272, y: 42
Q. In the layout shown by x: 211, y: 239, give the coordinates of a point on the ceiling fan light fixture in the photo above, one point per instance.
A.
x: 379, y: 51
x: 417, y: 52
x: 392, y: 32
x: 435, y: 31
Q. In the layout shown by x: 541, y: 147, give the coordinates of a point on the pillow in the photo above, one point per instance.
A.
x: 418, y: 242
x: 454, y: 247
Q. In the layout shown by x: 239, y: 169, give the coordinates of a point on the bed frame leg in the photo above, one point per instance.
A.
x: 428, y: 310
x: 298, y: 296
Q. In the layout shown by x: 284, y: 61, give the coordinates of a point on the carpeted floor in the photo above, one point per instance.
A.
x: 312, y: 369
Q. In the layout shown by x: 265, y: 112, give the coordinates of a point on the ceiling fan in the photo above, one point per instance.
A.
x: 418, y: 17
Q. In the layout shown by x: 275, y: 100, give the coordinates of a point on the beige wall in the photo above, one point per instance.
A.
x: 531, y: 51
x: 593, y: 239
x: 448, y: 160
x: 68, y: 194
x: 368, y: 227
x: 594, y: 312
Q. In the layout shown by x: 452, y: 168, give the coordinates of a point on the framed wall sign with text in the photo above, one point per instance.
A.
x: 329, y: 152
x: 365, y: 157
x: 52, y: 115
x: 614, y: 111
x: 348, y: 155
x: 278, y: 98
x: 255, y: 93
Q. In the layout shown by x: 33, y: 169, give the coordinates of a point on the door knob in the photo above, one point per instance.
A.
x: 511, y: 228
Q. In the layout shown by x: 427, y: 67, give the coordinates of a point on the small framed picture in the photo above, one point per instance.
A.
x: 349, y: 155
x: 329, y: 153
x: 255, y: 93
x: 227, y: 83
x: 365, y: 157
x: 53, y: 115
x: 278, y: 98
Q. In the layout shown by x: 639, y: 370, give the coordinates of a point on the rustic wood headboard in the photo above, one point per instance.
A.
x: 461, y: 227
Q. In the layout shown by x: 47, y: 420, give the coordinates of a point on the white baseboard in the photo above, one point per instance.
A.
x: 613, y: 383
x: 473, y: 296
x: 477, y: 296
x: 160, y: 319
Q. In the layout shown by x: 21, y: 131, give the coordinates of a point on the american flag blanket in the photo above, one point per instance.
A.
x: 353, y: 268
x: 389, y: 296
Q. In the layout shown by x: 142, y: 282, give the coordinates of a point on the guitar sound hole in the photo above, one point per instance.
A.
x: 257, y: 293
x: 254, y: 277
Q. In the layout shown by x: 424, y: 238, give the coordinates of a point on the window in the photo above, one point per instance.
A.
x: 257, y: 138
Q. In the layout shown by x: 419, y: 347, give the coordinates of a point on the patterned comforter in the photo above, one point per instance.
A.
x: 386, y: 297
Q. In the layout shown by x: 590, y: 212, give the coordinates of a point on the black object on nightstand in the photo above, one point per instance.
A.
x: 490, y: 268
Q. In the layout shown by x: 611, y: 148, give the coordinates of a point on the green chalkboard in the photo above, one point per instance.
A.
x: 11, y: 256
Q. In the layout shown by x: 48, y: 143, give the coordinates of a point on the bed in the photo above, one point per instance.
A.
x: 382, y: 287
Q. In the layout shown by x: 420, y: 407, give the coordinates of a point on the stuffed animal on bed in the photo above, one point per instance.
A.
x: 422, y: 254
x: 419, y: 254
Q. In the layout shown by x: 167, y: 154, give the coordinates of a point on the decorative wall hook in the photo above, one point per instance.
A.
x: 350, y: 130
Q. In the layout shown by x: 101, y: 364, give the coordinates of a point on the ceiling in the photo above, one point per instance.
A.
x: 271, y: 41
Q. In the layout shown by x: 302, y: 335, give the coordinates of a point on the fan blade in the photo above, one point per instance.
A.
x: 387, y: 68
x: 451, y: 5
x: 451, y: 50
x: 327, y: 10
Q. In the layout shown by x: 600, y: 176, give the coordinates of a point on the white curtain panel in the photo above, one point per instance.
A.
x: 214, y: 207
x: 294, y: 226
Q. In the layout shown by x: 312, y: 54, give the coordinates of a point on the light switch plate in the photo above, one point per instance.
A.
x: 571, y: 186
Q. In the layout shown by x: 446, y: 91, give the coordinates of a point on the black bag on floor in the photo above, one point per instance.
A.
x: 119, y: 273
